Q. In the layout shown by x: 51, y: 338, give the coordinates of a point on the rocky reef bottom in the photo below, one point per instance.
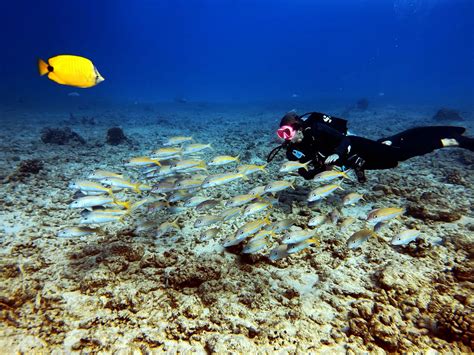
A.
x: 126, y: 292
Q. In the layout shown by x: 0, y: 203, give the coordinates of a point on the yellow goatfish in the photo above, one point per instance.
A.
x: 91, y: 201
x: 276, y: 186
x: 248, y: 169
x: 70, y: 70
x: 220, y: 179
x: 187, y: 164
x: 255, y: 208
x: 239, y: 200
x: 246, y: 230
x: 322, y: 192
x: 384, y: 214
x: 89, y: 186
x: 330, y: 175
x: 142, y: 161
x: 291, y: 166
x: 76, y: 232
x: 222, y: 160
x: 100, y: 217
x: 177, y: 140
x: 126, y: 184
x: 102, y: 174
x: 352, y: 198
x: 196, y: 148
x: 167, y: 152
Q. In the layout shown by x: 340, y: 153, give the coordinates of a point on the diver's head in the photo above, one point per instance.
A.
x: 290, y: 124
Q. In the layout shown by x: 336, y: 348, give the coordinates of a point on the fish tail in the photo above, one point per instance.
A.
x: 266, y: 219
x: 314, y: 241
x: 43, y: 67
x: 125, y: 204
x: 305, y: 165
x: 157, y: 162
x: 175, y: 223
x: 110, y: 192
x: 202, y: 166
x: 244, y: 176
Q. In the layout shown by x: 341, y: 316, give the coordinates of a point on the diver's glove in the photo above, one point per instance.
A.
x: 331, y: 159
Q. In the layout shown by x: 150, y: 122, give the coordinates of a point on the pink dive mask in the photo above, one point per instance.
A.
x: 286, y: 132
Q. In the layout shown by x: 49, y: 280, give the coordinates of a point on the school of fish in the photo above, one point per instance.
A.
x: 175, y: 179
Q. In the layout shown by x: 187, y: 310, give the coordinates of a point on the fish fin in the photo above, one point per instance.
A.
x: 54, y: 77
x: 43, y: 67
x: 175, y: 223
x: 266, y: 219
x: 125, y: 204
x: 314, y: 241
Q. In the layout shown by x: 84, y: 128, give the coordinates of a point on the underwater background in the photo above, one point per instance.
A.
x: 410, y: 50
x: 190, y: 246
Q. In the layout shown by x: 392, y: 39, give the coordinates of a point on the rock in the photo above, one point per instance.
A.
x: 456, y: 323
x: 115, y: 136
x: 193, y: 274
x: 362, y: 104
x: 95, y: 280
x: 60, y: 136
x: 454, y: 177
x: 25, y: 169
x: 446, y: 114
x: 129, y: 252
x: 380, y: 324
x: 421, y: 212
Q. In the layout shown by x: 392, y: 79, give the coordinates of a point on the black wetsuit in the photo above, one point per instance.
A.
x: 325, y: 135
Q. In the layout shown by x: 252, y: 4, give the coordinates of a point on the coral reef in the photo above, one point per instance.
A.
x: 25, y: 169
x: 446, y: 114
x: 60, y: 136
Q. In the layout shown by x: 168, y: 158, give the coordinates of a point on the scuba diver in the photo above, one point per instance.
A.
x: 323, y: 140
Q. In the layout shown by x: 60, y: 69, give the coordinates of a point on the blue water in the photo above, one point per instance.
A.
x: 241, y: 50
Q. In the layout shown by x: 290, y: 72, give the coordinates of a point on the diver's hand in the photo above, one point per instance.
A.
x: 331, y: 159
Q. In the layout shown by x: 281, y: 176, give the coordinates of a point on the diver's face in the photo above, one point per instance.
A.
x: 298, y: 137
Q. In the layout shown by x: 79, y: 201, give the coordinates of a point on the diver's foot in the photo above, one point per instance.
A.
x: 466, y: 143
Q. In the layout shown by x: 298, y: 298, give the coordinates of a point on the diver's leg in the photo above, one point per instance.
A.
x: 460, y: 141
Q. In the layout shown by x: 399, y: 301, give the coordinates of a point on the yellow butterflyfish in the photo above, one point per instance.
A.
x: 70, y: 70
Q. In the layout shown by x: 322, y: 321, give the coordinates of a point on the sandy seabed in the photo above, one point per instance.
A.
x: 127, y: 292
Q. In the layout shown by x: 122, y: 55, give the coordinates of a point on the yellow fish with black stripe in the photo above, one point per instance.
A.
x: 70, y: 70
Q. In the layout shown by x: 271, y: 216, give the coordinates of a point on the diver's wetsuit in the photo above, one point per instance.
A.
x: 325, y: 135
